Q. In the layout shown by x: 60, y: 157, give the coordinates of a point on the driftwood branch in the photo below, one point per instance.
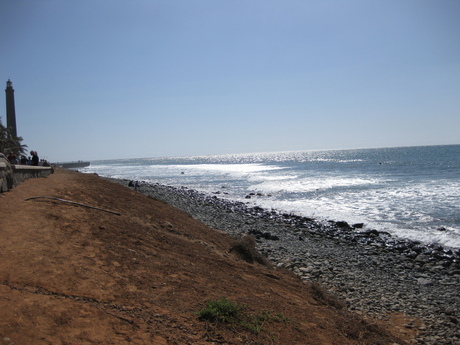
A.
x: 74, y: 203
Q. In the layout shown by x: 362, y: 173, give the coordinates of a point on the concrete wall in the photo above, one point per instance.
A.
x: 12, y: 175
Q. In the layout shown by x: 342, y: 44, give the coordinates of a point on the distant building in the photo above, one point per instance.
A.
x: 10, y: 110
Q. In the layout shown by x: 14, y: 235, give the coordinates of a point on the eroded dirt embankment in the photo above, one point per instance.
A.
x: 76, y: 275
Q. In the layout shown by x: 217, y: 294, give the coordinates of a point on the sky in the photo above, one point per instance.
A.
x: 97, y: 79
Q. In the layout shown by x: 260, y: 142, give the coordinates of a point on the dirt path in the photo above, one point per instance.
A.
x: 75, y: 275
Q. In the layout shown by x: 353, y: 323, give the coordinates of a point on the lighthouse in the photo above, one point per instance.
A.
x: 10, y: 111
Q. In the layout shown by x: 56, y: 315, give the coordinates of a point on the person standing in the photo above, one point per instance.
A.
x: 12, y: 158
x: 35, y: 159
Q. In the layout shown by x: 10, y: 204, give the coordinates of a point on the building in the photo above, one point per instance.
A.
x: 10, y: 110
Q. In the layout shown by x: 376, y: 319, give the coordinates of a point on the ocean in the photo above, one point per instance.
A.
x: 410, y: 192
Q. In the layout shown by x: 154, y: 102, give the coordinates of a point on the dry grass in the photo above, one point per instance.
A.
x: 245, y: 249
x: 324, y: 297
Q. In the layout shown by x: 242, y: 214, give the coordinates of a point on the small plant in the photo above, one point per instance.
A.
x: 220, y: 310
x: 226, y: 311
x: 321, y: 295
x: 278, y: 317
x: 245, y: 248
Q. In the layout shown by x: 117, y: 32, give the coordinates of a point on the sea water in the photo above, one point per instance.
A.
x: 411, y: 192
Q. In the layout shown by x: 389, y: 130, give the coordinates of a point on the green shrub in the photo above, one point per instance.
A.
x: 220, y: 310
x: 226, y: 311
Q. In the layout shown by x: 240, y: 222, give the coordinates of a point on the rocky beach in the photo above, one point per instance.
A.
x: 375, y: 274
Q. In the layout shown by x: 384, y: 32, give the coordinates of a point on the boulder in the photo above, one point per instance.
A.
x: 343, y: 225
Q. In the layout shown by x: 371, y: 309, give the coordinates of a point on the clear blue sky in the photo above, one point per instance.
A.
x: 108, y: 79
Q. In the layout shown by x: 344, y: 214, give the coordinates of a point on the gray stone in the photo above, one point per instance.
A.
x: 424, y: 282
x: 422, y: 258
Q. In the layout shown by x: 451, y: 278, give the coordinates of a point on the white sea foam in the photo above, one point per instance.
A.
x: 301, y: 185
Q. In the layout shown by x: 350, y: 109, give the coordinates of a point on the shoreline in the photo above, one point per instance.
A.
x: 377, y: 275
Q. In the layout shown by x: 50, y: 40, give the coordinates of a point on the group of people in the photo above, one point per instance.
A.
x: 134, y: 184
x: 32, y: 160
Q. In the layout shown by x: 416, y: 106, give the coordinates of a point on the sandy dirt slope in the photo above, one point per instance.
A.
x: 75, y: 275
